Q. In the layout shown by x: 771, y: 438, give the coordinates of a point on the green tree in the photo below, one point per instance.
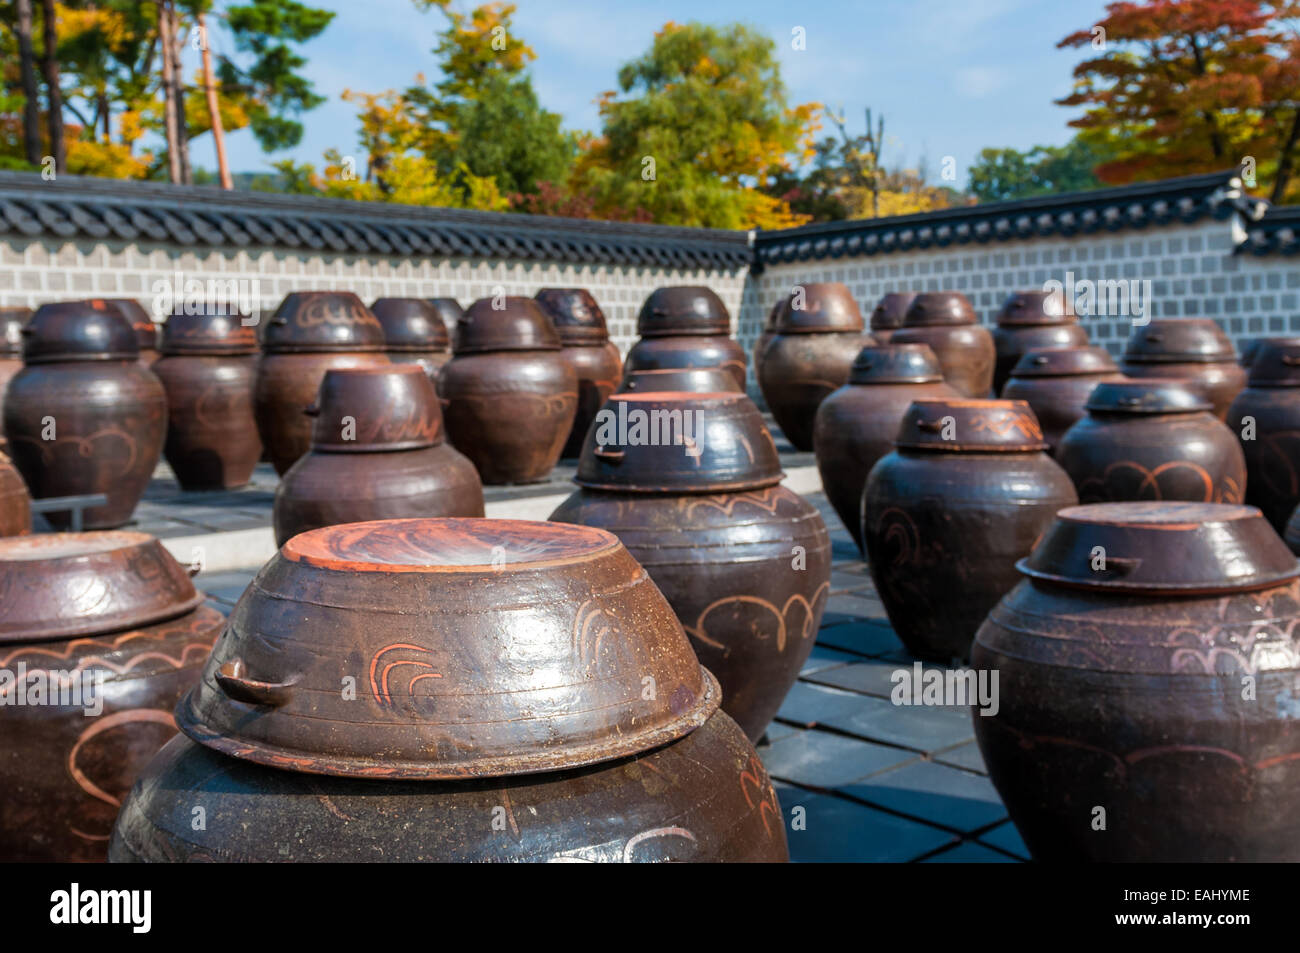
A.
x: 1003, y: 174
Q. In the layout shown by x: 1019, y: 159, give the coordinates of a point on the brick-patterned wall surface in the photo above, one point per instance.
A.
x: 36, y: 271
x: 1193, y: 270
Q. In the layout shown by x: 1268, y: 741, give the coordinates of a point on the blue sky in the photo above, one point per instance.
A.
x: 950, y: 76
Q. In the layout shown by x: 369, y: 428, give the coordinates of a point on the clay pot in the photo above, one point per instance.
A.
x: 946, y: 322
x: 756, y: 356
x: 587, y: 347
x: 377, y: 452
x: 1193, y: 349
x: 83, y: 416
x: 449, y: 310
x: 857, y: 424
x: 147, y: 331
x: 15, y: 504
x: 693, y: 380
x: 945, y: 516
x: 1056, y: 382
x: 207, y: 369
x: 889, y: 314
x: 1252, y: 346
x: 78, y: 607
x: 809, y: 355
x: 1152, y: 440
x: 682, y: 327
x: 1292, y: 532
x: 710, y: 523
x: 12, y: 321
x: 1121, y: 686
x: 509, y: 396
x: 1265, y: 417
x: 1029, y: 321
x: 414, y: 333
x: 311, y: 332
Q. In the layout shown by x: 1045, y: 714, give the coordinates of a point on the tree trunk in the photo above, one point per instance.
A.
x: 32, y: 106
x: 178, y: 80
x: 1285, y: 160
x: 214, y: 105
x: 169, y: 93
x: 54, y: 117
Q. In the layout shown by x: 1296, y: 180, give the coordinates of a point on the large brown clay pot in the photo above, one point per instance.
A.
x: 945, y: 516
x: 207, y: 369
x: 857, y: 424
x: 83, y: 416
x: 765, y: 335
x: 114, y: 624
x: 946, y: 322
x: 744, y: 562
x: 377, y: 452
x: 12, y: 322
x: 509, y: 396
x: 685, y: 326
x: 1191, y: 349
x: 1152, y: 440
x: 414, y: 333
x: 889, y: 314
x: 587, y: 347
x: 1291, y: 534
x: 495, y: 662
x: 1056, y: 383
x: 691, y: 380
x: 310, y: 333
x: 817, y: 333
x: 1146, y: 667
x: 1030, y: 321
x: 450, y: 311
x: 1266, y: 419
x: 15, y: 504
x: 147, y: 331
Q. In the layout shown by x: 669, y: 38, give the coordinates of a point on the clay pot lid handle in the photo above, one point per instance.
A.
x: 929, y: 426
x: 612, y: 456
x: 1118, y: 566
x: 278, y: 319
x: 1040, y: 360
x: 235, y: 683
x: 312, y: 410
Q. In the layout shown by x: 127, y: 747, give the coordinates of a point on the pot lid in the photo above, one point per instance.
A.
x: 1035, y: 307
x: 322, y: 321
x: 78, y: 331
x: 682, y: 309
x: 939, y: 307
x: 1137, y: 395
x: 476, y: 647
x: 449, y: 310
x: 208, y: 333
x: 891, y: 310
x: 960, y: 425
x: 1276, y: 363
x: 1175, y: 340
x: 372, y: 409
x: 666, y: 442
x: 692, y: 380
x: 896, y: 364
x: 411, y: 324
x: 12, y: 321
x: 1064, y: 362
x: 770, y: 323
x: 575, y: 314
x: 146, y: 329
x: 64, y: 585
x: 1190, y: 548
x: 519, y: 325
x: 816, y: 307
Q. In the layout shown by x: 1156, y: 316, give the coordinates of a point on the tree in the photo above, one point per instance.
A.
x: 214, y: 105
x: 53, y: 94
x: 27, y: 66
x: 1003, y: 174
x: 701, y: 129
x: 1191, y: 86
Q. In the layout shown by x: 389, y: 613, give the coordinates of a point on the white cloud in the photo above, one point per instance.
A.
x: 979, y: 82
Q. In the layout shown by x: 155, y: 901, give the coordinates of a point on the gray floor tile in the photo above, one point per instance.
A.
x: 823, y: 760
x: 823, y: 657
x: 1006, y: 837
x: 870, y: 638
x: 969, y: 852
x: 840, y: 830
x: 870, y: 677
x: 964, y: 756
x: 933, y: 792
x: 851, y: 606
x: 918, y: 727
x: 808, y: 705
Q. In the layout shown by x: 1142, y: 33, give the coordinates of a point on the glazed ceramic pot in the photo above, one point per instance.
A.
x: 450, y: 311
x: 682, y: 327
x: 1154, y: 685
x: 1265, y: 417
x: 83, y: 416
x: 377, y: 452
x: 946, y: 322
x: 12, y: 322
x: 765, y: 335
x: 1191, y: 349
x: 857, y: 424
x: 692, y: 380
x: 15, y: 504
x: 585, y: 344
x: 1029, y: 321
x: 112, y: 631
x: 509, y: 396
x: 708, y: 519
x: 817, y: 333
x: 1252, y: 346
x: 531, y: 665
x: 889, y: 314
x: 1291, y: 535
x: 1056, y: 383
x: 147, y: 331
x: 310, y: 333
x: 207, y: 369
x: 414, y: 333
x: 965, y: 493
x: 1152, y: 440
